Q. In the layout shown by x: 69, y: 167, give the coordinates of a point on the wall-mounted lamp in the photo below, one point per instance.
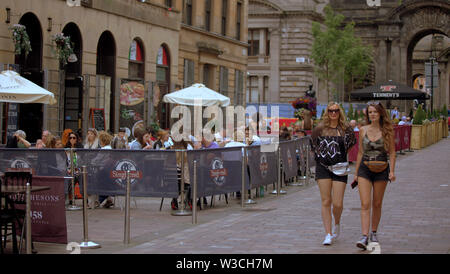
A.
x: 8, y: 15
x: 49, y: 28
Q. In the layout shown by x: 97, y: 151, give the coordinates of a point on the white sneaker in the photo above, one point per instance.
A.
x: 336, y: 231
x: 328, y: 240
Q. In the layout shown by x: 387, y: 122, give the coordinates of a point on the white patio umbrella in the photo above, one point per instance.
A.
x: 16, y: 89
x: 197, y: 95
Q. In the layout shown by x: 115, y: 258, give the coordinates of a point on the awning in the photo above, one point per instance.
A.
x: 197, y: 95
x: 16, y: 89
x: 388, y: 90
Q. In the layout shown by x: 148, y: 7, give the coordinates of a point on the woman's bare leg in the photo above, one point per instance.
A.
x: 325, y: 186
x: 338, y: 190
x: 379, y: 189
x: 365, y: 189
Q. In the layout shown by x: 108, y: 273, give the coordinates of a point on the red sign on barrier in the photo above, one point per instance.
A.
x: 353, y: 153
x: 397, y: 139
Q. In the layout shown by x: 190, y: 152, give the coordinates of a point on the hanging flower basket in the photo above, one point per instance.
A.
x: 304, y: 103
x: 21, y: 39
x: 64, y: 47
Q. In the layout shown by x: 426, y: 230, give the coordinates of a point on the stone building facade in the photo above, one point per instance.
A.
x: 213, y: 46
x: 280, y: 41
x: 118, y: 44
x: 393, y: 29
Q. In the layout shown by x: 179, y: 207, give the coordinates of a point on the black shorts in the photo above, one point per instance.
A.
x: 365, y: 172
x: 323, y: 173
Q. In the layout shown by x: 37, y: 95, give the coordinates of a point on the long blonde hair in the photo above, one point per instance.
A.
x: 342, y: 118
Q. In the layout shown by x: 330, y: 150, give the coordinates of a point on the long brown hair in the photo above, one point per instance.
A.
x: 387, y: 129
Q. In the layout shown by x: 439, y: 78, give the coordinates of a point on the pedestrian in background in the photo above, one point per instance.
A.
x: 376, y: 141
x: 331, y: 141
x: 18, y: 140
x: 91, y: 141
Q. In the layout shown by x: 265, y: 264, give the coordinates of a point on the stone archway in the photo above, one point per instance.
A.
x: 405, y: 26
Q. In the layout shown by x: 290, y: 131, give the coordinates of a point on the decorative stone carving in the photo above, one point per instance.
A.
x: 425, y: 19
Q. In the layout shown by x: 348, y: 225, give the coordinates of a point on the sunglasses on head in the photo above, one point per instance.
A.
x: 373, y: 103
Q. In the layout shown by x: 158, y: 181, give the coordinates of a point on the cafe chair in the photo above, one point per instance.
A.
x: 6, y: 217
x: 20, y: 179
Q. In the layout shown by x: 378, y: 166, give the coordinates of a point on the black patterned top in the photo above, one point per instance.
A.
x: 331, y: 145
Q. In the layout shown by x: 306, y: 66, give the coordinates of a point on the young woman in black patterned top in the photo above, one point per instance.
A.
x: 331, y: 141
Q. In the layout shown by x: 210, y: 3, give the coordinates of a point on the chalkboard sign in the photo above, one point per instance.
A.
x: 98, y: 118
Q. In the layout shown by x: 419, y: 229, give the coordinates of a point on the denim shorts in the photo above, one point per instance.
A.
x: 323, y: 173
x: 365, y: 172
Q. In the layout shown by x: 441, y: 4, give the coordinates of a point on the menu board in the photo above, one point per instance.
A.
x: 97, y: 117
x: 132, y: 95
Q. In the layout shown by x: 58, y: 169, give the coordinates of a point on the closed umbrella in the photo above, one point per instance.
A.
x: 16, y: 89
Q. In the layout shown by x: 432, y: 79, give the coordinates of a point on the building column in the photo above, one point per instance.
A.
x: 395, y: 61
x: 274, y: 82
x: 381, y: 68
x: 262, y: 45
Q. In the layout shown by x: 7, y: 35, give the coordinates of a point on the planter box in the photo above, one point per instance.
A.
x: 423, y: 136
x: 440, y: 130
x: 437, y: 137
x: 429, y: 134
x: 444, y: 128
x: 433, y: 132
x: 416, y: 136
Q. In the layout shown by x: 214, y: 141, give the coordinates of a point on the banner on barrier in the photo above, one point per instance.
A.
x: 42, y: 162
x: 152, y: 173
x: 262, y: 166
x: 288, y: 156
x: 219, y: 171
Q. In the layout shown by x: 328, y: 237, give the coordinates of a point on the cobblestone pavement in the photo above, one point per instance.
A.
x: 415, y: 219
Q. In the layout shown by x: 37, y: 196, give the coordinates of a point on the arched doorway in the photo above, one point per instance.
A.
x: 106, y: 75
x: 73, y: 96
x: 423, y: 50
x: 163, y: 83
x: 30, y: 116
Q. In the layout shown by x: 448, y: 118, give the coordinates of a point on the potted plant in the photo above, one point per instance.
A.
x: 21, y: 39
x: 64, y: 47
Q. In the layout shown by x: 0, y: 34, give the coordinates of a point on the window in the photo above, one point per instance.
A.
x: 238, y: 88
x: 188, y: 73
x: 253, y: 42
x: 187, y: 18
x: 224, y: 17
x: 223, y: 84
x: 252, y: 90
x: 238, y: 20
x: 208, y: 15
x: 207, y: 75
x: 168, y: 3
x: 136, y: 60
x: 162, y: 65
x: 254, y: 36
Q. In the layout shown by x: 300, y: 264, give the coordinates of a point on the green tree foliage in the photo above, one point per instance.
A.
x: 338, y: 55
